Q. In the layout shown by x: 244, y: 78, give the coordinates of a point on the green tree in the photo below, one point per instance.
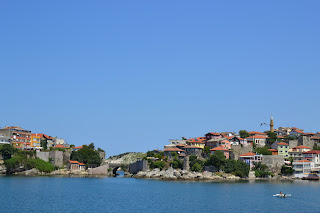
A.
x: 7, y: 151
x: 244, y: 134
x: 206, y: 150
x: 174, y: 154
x: 263, y: 150
x: 44, y: 143
x: 272, y: 137
x: 72, y: 145
x: 150, y: 154
x: 196, y: 167
x: 217, y: 160
x: 261, y: 170
x: 87, y: 156
x: 91, y: 146
x: 159, y: 164
x: 285, y: 170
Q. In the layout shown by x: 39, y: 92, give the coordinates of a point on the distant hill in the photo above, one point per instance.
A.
x: 126, y: 158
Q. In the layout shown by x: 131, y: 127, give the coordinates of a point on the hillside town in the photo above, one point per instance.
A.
x: 25, y: 147
x: 285, y: 150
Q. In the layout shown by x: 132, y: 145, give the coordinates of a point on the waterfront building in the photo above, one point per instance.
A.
x: 302, y: 168
x: 75, y: 165
x: 250, y: 158
x: 313, y: 156
x: 296, y: 152
x: 19, y: 137
x: 221, y: 149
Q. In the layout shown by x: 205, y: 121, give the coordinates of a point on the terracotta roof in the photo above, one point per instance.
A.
x: 73, y: 161
x: 310, y: 133
x: 60, y: 146
x: 214, y: 133
x: 315, y: 137
x: 192, y: 147
x: 273, y: 150
x: 41, y: 135
x: 174, y: 149
x: 193, y: 141
x: 301, y: 147
x: 248, y: 154
x: 280, y: 136
x: 254, y: 132
x: 181, y: 145
x: 257, y: 137
x: 219, y: 148
x: 82, y: 164
x: 78, y: 147
x: 312, y: 152
x: 304, y: 161
x: 298, y: 131
x: 283, y: 144
x: 225, y: 141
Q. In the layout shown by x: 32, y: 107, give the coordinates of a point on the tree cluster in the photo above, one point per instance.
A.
x: 219, y: 161
x: 87, y: 155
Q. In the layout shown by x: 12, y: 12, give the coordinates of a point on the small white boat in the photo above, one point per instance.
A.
x: 282, y: 195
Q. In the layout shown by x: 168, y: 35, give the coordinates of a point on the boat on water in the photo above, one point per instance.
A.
x: 282, y: 195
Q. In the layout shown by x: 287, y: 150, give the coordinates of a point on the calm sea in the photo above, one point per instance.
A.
x: 64, y: 194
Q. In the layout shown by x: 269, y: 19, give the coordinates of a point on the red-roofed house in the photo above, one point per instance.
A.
x: 314, y: 156
x: 75, y: 165
x: 296, y: 152
x: 249, y: 158
x: 212, y: 135
x: 282, y: 147
x: 76, y: 148
x: 259, y: 140
x: 221, y: 149
x: 237, y: 141
x: 254, y: 133
x: 168, y: 151
x: 296, y: 133
x: 274, y: 151
x: 59, y: 146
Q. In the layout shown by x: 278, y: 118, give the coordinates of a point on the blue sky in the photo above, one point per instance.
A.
x: 129, y: 75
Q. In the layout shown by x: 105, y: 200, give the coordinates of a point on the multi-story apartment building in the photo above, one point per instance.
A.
x: 19, y: 137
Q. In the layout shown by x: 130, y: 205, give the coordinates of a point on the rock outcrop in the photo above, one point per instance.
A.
x: 177, y: 174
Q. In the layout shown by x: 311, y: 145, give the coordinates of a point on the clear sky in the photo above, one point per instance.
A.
x: 129, y: 75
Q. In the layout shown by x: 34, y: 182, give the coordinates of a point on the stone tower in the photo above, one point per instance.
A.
x: 271, y: 124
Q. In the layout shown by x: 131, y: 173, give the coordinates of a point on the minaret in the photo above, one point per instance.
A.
x: 271, y: 124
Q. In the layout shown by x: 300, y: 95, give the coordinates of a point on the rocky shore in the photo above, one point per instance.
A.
x: 172, y: 174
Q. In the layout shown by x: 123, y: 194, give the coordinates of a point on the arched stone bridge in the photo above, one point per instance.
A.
x: 115, y: 166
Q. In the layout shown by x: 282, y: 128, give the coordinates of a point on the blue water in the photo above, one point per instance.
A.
x: 65, y: 194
